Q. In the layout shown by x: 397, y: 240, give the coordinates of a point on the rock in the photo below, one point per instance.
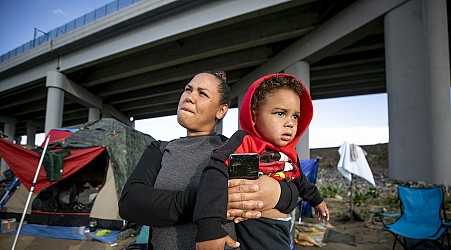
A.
x: 377, y: 159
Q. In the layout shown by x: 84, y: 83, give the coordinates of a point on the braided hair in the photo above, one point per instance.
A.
x: 223, y: 87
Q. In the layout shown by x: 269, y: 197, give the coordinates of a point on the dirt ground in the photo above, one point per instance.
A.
x: 366, y: 238
x: 368, y: 235
x: 368, y: 232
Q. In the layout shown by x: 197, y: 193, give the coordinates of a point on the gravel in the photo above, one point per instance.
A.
x: 385, y: 186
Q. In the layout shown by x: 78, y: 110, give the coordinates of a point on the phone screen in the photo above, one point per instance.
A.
x: 243, y: 166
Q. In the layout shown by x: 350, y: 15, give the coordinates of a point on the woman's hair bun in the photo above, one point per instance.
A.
x: 221, y: 74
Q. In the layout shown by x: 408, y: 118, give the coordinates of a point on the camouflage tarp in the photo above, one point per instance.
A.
x: 124, y: 144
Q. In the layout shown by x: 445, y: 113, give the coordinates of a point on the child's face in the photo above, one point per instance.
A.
x: 276, y: 120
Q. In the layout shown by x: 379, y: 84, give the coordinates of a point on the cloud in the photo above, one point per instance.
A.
x: 59, y: 11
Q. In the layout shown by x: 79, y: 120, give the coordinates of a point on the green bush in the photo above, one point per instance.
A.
x: 359, y: 198
x: 392, y: 200
x: 329, y: 191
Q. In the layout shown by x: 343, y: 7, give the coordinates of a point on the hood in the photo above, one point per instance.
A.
x: 305, y: 118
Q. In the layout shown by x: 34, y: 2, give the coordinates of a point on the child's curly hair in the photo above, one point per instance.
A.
x: 271, y: 85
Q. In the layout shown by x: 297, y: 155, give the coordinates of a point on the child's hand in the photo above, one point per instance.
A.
x: 217, y: 244
x: 322, y: 212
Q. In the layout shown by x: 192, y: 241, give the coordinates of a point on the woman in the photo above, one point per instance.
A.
x: 161, y: 191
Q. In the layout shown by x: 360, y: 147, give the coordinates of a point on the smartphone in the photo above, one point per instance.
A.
x: 243, y: 166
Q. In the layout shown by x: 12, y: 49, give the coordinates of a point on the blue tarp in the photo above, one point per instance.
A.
x: 4, y: 197
x: 143, y: 236
x: 61, y: 232
x: 310, y: 169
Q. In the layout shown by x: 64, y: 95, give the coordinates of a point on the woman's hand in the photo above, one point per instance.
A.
x: 217, y: 244
x: 247, y: 198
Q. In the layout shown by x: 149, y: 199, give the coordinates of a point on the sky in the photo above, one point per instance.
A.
x: 362, y: 120
x: 19, y: 18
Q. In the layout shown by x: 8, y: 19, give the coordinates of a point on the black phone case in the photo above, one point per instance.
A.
x: 243, y: 166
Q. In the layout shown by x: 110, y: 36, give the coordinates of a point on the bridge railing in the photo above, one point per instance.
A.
x: 45, y: 37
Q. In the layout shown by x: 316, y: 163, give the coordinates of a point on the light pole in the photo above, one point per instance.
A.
x: 35, y: 33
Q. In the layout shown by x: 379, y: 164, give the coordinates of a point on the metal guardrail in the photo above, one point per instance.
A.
x: 68, y: 27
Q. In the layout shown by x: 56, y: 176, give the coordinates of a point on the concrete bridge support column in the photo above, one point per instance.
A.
x: 94, y: 114
x: 218, y: 128
x: 418, y: 80
x: 55, y: 102
x: 302, y: 71
x: 31, y: 134
x: 240, y: 102
x: 58, y: 84
x: 9, y: 129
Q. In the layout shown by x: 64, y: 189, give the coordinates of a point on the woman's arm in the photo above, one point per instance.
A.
x: 248, y: 197
x: 140, y: 202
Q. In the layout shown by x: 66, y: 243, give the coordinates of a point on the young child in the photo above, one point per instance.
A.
x: 276, y: 111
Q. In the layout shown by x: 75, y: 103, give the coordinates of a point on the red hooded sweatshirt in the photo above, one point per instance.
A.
x: 255, y: 143
x: 211, y: 204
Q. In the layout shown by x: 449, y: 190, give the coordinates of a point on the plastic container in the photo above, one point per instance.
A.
x: 81, y: 230
x: 8, y: 225
x: 92, y: 225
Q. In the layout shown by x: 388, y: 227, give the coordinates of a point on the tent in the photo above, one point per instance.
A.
x: 102, y: 156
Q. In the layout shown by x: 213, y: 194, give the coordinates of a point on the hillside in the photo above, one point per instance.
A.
x: 377, y: 156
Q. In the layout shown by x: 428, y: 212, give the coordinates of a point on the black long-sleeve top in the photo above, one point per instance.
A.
x: 140, y: 202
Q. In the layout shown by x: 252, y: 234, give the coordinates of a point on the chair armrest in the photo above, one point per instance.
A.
x: 447, y: 224
x: 384, y: 214
x: 381, y: 216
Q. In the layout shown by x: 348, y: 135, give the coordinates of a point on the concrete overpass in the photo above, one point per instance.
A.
x: 135, y: 62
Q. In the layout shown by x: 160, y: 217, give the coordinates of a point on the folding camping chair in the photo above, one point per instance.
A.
x: 420, y: 221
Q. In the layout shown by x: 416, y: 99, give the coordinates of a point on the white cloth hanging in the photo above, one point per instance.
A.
x: 353, y: 161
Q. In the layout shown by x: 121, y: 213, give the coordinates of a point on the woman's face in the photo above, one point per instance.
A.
x: 199, y: 106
